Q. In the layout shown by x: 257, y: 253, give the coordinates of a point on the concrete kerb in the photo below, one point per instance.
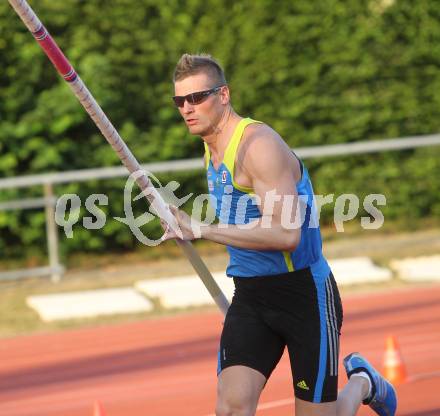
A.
x: 90, y: 303
x: 187, y: 291
x: 417, y: 269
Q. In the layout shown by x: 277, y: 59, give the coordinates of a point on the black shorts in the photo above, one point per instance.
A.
x: 296, y: 310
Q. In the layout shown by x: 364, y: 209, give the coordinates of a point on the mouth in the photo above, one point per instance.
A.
x: 191, y: 121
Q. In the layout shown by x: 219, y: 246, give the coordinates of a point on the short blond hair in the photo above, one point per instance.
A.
x: 189, y: 65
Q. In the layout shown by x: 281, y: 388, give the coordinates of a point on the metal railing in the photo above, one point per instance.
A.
x: 47, y: 180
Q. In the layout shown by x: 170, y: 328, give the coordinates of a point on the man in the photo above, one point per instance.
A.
x: 285, y: 293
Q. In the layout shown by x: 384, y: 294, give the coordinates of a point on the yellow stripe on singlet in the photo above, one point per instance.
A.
x: 231, y: 152
x: 207, y: 156
x: 288, y: 260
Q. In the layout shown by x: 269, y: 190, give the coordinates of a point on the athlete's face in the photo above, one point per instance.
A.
x: 202, y: 118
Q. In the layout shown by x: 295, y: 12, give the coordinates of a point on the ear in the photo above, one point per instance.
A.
x: 225, y: 95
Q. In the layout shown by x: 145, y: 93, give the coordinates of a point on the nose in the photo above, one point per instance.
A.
x: 187, y: 107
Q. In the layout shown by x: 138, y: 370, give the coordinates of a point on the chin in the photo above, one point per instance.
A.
x: 196, y: 130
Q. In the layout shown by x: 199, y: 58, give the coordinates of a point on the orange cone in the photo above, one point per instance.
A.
x: 98, y: 410
x: 393, y: 367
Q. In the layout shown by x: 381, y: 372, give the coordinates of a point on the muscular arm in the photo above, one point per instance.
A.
x: 270, y: 167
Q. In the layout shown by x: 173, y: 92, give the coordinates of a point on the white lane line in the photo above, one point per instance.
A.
x: 270, y: 405
x: 275, y: 403
x: 423, y: 376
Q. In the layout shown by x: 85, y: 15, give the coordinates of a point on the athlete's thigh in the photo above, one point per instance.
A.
x: 303, y: 408
x: 238, y: 389
x: 248, y: 341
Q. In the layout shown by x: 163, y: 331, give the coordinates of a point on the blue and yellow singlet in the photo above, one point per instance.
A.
x: 235, y: 204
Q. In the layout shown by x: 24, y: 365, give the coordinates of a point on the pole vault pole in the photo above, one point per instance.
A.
x: 65, y: 69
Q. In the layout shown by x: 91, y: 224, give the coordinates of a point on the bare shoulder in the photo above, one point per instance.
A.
x: 262, y: 145
x: 260, y: 134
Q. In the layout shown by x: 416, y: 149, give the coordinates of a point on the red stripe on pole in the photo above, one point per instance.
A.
x: 55, y: 54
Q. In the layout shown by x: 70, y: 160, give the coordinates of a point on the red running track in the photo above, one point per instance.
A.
x: 167, y: 366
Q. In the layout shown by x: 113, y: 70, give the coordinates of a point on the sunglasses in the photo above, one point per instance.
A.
x: 195, y: 97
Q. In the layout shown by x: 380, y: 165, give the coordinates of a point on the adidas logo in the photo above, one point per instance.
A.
x: 302, y: 385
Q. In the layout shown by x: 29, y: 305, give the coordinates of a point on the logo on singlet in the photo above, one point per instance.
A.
x: 224, y: 176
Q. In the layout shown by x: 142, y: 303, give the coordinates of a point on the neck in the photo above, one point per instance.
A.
x: 222, y: 132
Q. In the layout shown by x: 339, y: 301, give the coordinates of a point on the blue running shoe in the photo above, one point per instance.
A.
x: 383, y: 396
